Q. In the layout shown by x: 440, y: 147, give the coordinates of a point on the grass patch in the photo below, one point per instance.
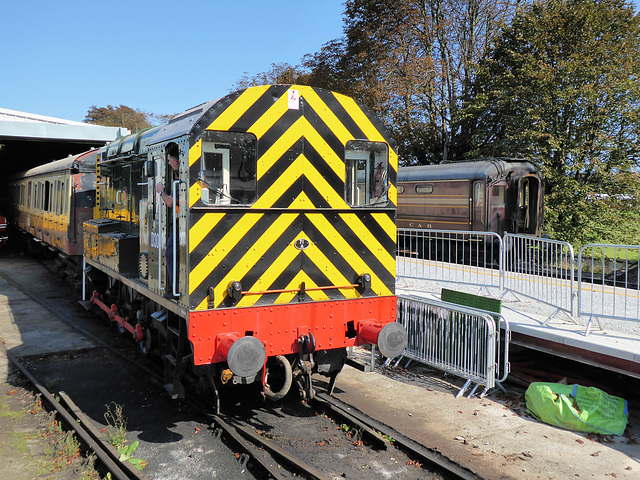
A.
x: 6, y: 412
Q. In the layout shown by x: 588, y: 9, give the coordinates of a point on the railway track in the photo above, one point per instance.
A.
x: 248, y: 436
x: 107, y: 457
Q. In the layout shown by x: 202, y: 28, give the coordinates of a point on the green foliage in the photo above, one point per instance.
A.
x: 407, y: 60
x: 123, y: 116
x: 279, y: 73
x: 560, y: 87
x: 126, y: 451
x: 117, y: 435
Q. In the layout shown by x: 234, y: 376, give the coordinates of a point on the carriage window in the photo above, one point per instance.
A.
x: 58, y: 197
x: 497, y: 196
x: 228, y: 168
x: 478, y: 194
x: 424, y: 188
x: 29, y: 204
x: 367, y: 165
x: 63, y: 203
x: 47, y: 187
x: 400, y: 189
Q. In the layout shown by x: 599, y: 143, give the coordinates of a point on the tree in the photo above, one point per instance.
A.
x: 561, y: 87
x: 412, y: 61
x: 280, y: 73
x: 122, y: 116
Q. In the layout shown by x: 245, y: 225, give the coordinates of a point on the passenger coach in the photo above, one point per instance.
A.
x: 52, y: 201
x: 499, y: 195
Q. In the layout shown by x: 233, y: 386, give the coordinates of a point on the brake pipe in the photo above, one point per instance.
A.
x: 112, y: 312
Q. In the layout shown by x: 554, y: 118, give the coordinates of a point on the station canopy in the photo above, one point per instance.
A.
x: 28, y: 140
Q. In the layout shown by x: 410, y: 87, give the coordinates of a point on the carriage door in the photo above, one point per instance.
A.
x: 528, y: 205
x: 155, y: 222
x: 477, y: 209
x: 497, y: 210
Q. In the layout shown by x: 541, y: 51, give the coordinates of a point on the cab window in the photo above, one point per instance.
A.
x: 228, y: 168
x: 367, y: 166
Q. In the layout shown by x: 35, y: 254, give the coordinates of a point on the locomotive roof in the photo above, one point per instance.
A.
x: 465, y: 170
x: 84, y: 162
x: 192, y: 122
x: 184, y: 123
x: 138, y: 143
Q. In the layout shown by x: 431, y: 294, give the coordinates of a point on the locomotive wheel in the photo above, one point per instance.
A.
x: 288, y: 378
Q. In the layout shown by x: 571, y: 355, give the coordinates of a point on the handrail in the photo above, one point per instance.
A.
x: 175, y: 239
x: 160, y: 207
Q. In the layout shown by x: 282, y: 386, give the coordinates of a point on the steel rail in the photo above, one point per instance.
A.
x: 291, y: 460
x: 96, y: 434
x: 405, y: 443
x: 371, y: 433
x: 100, y: 342
x: 264, y: 463
x: 114, y: 466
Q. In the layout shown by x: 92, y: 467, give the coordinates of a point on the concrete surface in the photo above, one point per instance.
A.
x: 26, y: 328
x: 492, y: 436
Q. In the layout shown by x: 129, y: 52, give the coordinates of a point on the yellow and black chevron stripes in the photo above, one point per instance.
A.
x: 300, y: 184
x: 258, y: 250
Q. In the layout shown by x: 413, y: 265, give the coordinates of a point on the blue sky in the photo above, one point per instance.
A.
x: 57, y: 58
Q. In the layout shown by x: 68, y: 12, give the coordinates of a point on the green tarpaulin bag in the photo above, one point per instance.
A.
x: 574, y: 407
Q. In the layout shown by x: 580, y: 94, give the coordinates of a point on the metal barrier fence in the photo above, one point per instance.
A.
x: 472, y: 258
x: 540, y: 269
x: 455, y: 339
x: 608, y: 282
x: 607, y: 285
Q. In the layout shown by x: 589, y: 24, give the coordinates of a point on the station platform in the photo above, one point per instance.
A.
x: 615, y: 347
x: 493, y: 436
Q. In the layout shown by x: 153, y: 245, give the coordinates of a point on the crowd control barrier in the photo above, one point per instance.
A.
x: 603, y: 282
x: 453, y: 256
x: 455, y: 339
x: 541, y: 269
x: 608, y: 282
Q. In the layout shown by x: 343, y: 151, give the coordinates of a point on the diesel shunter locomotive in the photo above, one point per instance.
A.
x: 278, y: 249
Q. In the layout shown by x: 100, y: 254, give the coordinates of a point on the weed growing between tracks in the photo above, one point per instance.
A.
x: 116, y: 432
